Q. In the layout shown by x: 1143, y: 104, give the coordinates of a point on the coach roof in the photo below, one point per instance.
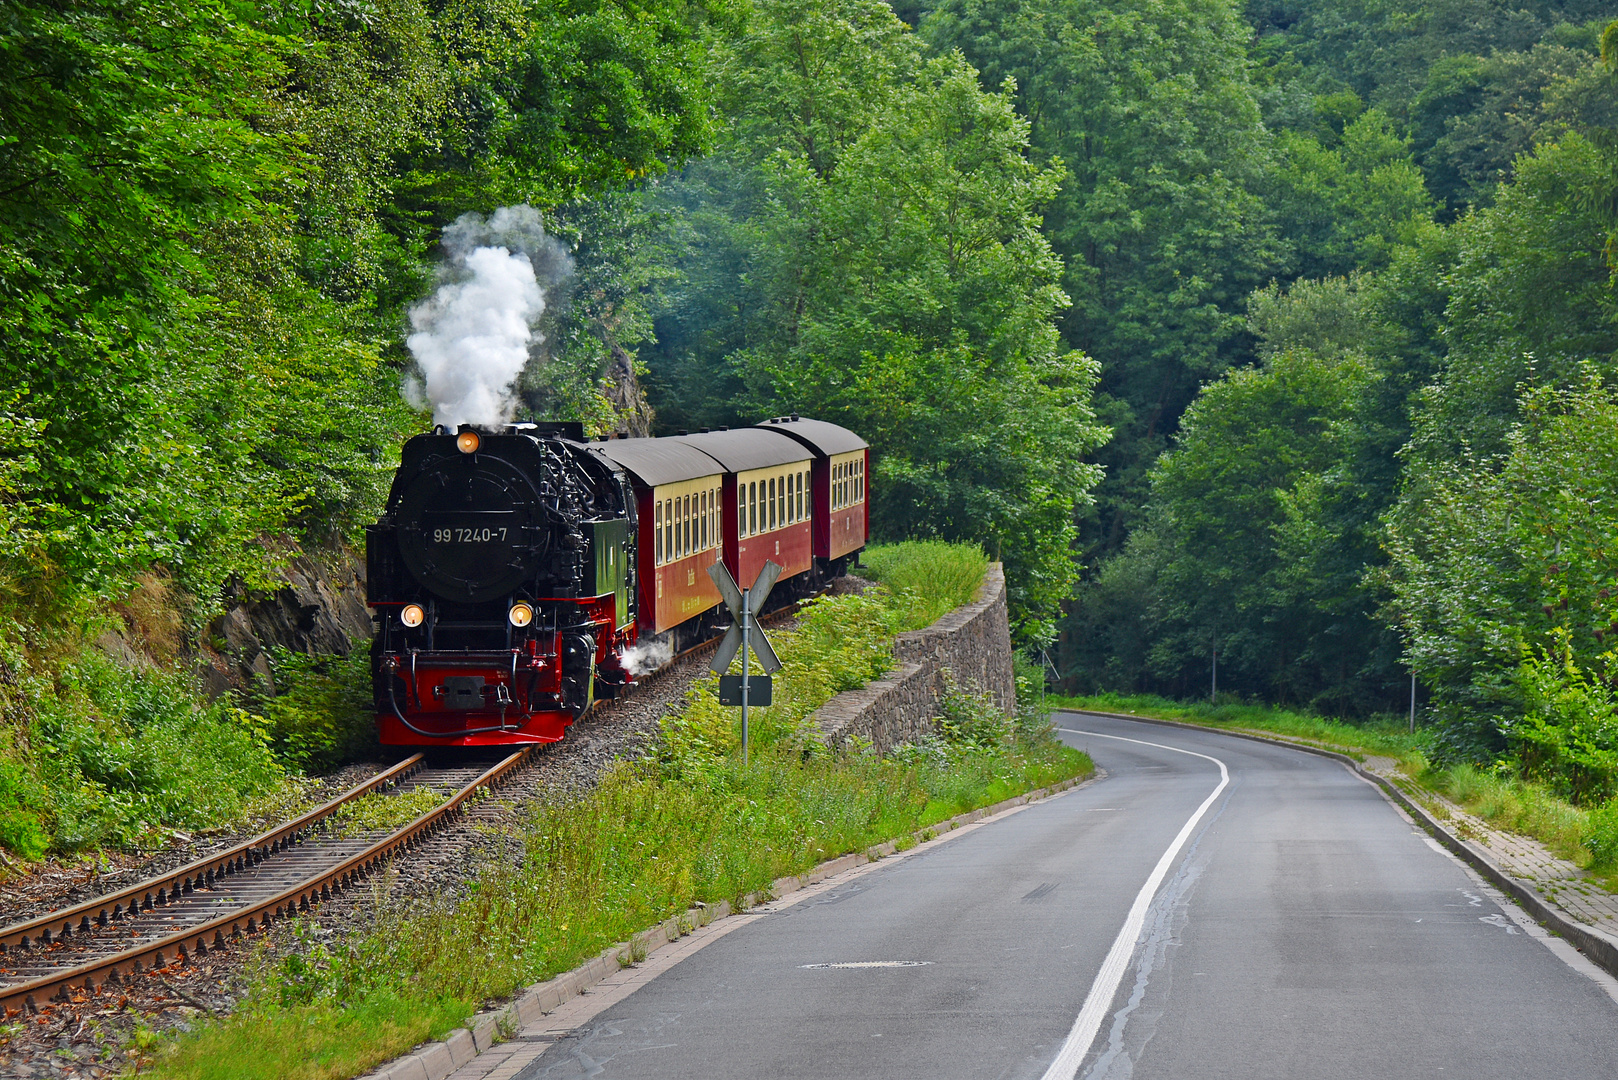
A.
x: 817, y: 435
x: 741, y: 449
x: 655, y: 462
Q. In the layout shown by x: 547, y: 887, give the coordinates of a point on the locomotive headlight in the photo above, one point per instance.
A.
x: 520, y: 614
x: 467, y: 442
x: 412, y: 615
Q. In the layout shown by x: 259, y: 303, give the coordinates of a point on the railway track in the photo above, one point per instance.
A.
x: 143, y: 930
x: 140, y: 932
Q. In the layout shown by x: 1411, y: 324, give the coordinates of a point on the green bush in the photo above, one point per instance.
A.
x: 126, y: 754
x: 23, y: 807
x: 1567, y: 736
x: 969, y: 719
x: 323, y: 713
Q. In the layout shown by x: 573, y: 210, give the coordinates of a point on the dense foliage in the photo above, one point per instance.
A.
x: 865, y: 246
x: 1412, y: 471
x: 1281, y: 333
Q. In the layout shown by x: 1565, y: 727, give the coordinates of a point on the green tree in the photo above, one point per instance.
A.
x: 1149, y: 108
x: 1217, y: 550
x: 1347, y: 203
x: 1512, y: 557
x: 867, y: 249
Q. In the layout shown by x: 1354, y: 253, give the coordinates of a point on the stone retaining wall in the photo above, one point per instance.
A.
x: 972, y: 642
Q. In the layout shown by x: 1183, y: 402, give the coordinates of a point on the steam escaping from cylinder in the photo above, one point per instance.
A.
x: 475, y: 335
x: 645, y: 658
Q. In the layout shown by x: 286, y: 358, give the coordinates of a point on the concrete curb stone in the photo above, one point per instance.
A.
x: 460, y: 1046
x: 1599, y: 946
x: 437, y: 1060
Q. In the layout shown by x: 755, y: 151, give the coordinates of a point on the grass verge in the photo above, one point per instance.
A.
x: 928, y: 578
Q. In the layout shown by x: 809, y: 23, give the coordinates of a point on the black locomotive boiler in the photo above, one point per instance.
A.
x: 519, y: 575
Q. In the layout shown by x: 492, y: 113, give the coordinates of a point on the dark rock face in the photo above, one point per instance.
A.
x: 320, y: 610
x: 628, y: 400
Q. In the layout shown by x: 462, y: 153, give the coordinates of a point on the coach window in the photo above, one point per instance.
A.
x: 657, y: 533
x: 685, y: 528
x: 752, y: 508
x: 791, y: 517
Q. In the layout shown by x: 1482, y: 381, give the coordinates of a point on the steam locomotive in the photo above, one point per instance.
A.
x: 518, y: 576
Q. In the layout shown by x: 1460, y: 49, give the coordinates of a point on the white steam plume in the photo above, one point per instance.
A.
x: 474, y: 335
x: 644, y: 659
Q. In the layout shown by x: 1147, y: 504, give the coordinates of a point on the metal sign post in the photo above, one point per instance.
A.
x: 744, y: 605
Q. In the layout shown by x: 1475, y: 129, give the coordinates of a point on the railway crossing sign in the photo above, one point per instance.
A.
x: 745, y: 634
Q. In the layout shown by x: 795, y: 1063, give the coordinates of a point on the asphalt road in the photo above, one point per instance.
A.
x: 1303, y: 929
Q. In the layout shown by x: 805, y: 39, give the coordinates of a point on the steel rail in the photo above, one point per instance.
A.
x: 158, y: 890
x: 156, y: 955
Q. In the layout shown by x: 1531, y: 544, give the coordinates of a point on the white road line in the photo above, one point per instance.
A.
x: 1102, y: 991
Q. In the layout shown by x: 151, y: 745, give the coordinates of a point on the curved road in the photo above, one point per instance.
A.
x: 1302, y: 929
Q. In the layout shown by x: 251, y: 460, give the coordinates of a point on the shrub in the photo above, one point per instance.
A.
x: 1568, y: 734
x: 125, y: 754
x: 323, y: 713
x: 22, y: 812
x: 970, y: 719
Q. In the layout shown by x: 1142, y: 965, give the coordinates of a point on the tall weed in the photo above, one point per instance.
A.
x: 323, y: 713
x: 124, y: 755
x: 928, y: 578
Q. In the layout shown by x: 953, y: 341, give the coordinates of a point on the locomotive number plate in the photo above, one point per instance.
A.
x: 469, y: 527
